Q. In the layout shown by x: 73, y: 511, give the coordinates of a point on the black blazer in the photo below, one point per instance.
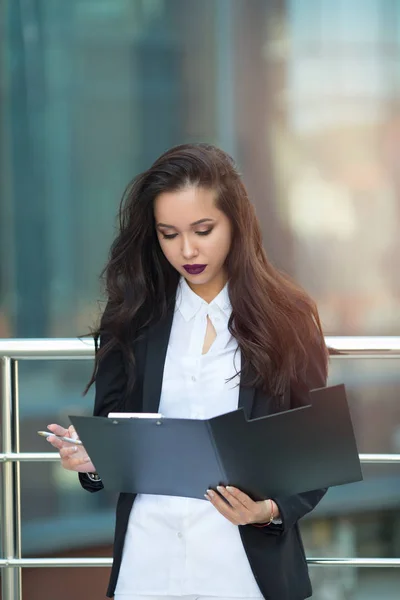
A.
x: 275, y: 553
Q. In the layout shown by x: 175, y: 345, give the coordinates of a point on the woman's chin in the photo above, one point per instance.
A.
x: 201, y: 278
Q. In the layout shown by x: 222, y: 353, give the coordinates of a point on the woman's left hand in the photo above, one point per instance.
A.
x: 241, y: 509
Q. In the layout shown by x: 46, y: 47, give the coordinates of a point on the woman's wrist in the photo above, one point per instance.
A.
x: 270, y: 512
x: 275, y: 511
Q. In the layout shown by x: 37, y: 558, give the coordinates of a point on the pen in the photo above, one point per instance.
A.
x: 46, y: 434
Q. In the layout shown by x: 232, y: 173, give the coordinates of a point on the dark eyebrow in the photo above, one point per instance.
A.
x: 199, y: 222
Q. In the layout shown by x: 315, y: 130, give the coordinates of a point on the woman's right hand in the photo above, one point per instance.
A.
x: 73, y: 458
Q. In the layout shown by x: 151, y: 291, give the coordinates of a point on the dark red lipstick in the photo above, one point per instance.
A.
x: 194, y: 269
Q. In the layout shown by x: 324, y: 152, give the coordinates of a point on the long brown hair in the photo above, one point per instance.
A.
x: 274, y: 321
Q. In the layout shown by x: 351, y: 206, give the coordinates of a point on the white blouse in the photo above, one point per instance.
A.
x: 179, y: 546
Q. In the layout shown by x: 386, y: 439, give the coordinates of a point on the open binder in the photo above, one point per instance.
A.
x: 280, y: 454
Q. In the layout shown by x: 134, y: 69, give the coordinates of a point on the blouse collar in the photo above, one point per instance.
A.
x: 189, y: 303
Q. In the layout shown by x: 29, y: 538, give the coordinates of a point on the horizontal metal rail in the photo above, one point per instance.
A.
x: 369, y: 459
x: 107, y: 562
x: 29, y: 457
x: 379, y: 459
x: 364, y: 346
x: 75, y: 349
x: 354, y: 562
x: 47, y: 349
x: 55, y: 562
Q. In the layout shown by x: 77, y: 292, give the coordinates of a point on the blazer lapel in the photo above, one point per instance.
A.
x: 157, y: 344
x: 246, y: 394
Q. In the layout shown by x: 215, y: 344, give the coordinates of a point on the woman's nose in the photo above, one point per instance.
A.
x: 189, y: 250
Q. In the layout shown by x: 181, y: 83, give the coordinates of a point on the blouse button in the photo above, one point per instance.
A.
x: 193, y: 378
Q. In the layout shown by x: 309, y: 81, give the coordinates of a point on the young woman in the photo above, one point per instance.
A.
x: 197, y: 323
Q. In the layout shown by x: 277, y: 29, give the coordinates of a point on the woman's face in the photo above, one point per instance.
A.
x: 194, y: 235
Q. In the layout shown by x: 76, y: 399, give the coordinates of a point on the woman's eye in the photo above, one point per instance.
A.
x: 171, y: 236
x: 204, y: 232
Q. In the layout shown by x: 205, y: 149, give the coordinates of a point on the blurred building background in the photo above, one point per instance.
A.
x: 305, y: 94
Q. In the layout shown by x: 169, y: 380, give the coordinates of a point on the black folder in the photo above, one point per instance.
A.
x: 281, y: 454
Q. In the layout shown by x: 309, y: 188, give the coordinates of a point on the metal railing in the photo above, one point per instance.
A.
x: 11, y: 351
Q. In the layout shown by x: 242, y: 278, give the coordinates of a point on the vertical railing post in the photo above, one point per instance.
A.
x: 10, y: 506
x: 16, y: 446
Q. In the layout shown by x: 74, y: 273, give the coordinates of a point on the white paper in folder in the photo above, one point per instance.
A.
x: 121, y: 415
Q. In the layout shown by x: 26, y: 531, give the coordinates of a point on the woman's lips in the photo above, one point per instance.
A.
x: 194, y: 269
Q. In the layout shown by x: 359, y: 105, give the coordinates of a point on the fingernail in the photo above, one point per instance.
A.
x: 220, y: 488
x: 206, y: 497
x: 229, y: 488
x: 210, y: 493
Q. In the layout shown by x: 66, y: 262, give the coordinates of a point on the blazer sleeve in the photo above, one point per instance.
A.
x: 110, y: 384
x: 293, y: 508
